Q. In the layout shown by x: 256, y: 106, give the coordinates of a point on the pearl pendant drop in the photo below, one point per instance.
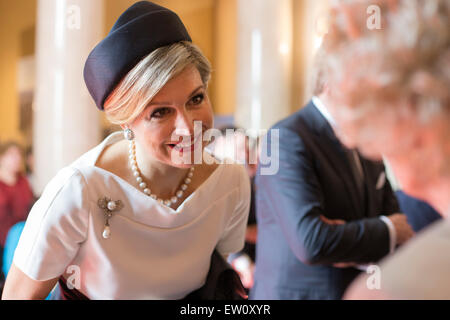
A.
x: 106, y: 232
x: 109, y: 207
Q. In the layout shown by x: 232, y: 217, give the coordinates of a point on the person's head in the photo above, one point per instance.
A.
x: 391, y: 86
x: 317, y: 84
x: 11, y: 158
x: 161, y: 97
x: 148, y: 77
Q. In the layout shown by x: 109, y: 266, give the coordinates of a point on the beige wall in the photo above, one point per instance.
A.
x: 308, y: 17
x: 17, y: 18
x: 224, y: 47
x: 225, y: 37
x: 298, y: 65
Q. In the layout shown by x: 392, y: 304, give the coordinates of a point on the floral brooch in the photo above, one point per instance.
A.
x: 109, y: 207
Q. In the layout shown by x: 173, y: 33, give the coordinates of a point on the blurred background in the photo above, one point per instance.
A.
x: 261, y: 52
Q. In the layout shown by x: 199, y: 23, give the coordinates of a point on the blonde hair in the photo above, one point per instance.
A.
x: 149, y: 76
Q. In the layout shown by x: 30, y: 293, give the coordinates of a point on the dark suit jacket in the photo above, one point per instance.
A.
x: 295, y: 249
x: 418, y: 212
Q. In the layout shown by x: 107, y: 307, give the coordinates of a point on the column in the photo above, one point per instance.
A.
x: 66, y: 121
x: 264, y: 65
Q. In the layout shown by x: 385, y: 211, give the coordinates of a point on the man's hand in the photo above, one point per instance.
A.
x: 245, y: 268
x: 345, y: 264
x: 331, y: 221
x: 251, y: 234
x: 402, y: 228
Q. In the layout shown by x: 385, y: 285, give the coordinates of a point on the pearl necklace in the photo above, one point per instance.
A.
x: 146, y: 189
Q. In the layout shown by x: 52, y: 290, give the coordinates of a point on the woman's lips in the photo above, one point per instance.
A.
x: 183, y: 147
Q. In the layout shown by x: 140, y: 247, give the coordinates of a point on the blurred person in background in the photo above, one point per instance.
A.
x: 236, y: 145
x: 392, y: 88
x: 16, y: 197
x: 325, y: 215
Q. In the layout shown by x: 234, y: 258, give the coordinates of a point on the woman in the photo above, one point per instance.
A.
x: 16, y: 196
x: 134, y: 218
x: 391, y: 86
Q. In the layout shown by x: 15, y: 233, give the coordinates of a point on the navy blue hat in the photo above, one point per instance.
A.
x: 141, y: 29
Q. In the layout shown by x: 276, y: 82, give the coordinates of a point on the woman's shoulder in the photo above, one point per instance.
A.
x: 230, y: 170
x: 92, y: 164
x: 55, y: 227
x: 67, y: 180
x: 96, y: 153
x: 231, y: 175
x: 235, y: 169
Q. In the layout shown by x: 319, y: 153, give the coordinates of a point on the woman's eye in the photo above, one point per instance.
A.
x: 160, y: 112
x: 198, y: 98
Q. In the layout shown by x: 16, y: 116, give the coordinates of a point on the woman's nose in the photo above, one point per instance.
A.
x: 184, y: 125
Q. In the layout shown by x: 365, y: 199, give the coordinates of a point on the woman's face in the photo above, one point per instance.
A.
x: 165, y: 131
x: 11, y: 160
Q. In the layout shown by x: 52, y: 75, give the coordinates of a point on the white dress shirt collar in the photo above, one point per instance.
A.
x: 323, y: 110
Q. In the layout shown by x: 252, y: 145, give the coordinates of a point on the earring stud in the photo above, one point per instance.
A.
x: 128, y: 134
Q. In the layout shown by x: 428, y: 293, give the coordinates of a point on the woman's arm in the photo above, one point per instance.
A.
x: 19, y: 286
x: 55, y: 229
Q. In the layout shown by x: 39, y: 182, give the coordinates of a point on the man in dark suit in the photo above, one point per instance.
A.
x: 324, y: 214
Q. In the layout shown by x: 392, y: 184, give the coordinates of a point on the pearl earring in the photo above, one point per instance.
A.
x: 128, y: 134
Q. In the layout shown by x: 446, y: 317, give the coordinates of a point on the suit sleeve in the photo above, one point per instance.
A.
x: 296, y: 203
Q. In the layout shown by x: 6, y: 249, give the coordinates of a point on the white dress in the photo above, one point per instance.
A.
x: 154, y: 252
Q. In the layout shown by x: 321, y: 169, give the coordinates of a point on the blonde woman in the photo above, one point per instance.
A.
x: 392, y: 85
x: 128, y: 218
